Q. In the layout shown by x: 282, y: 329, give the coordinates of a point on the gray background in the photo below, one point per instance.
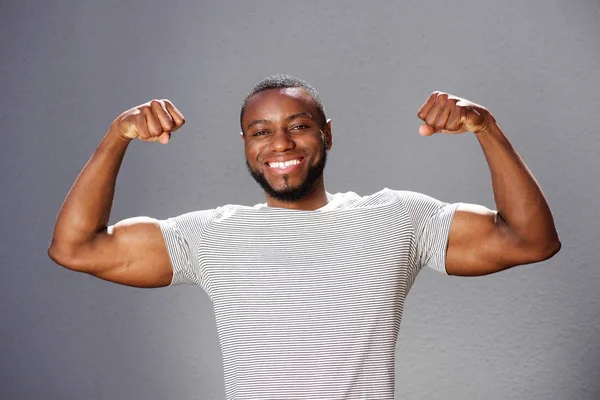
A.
x: 69, y: 67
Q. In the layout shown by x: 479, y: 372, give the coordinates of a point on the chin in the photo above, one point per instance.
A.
x: 286, y: 192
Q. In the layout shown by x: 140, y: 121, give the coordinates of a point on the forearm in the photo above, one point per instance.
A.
x: 520, y: 202
x: 86, y: 209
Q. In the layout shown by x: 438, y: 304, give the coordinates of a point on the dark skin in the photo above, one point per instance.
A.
x: 282, y: 126
x: 133, y: 251
x: 521, y: 231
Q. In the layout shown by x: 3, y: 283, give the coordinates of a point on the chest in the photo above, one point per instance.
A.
x: 308, y: 260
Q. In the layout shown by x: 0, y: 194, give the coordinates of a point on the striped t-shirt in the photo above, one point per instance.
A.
x: 308, y: 303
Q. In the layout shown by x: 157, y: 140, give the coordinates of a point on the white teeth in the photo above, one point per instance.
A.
x: 285, y: 164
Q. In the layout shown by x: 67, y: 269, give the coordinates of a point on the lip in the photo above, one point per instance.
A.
x: 286, y: 170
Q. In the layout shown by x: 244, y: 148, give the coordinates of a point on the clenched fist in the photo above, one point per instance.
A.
x: 443, y: 112
x: 150, y: 122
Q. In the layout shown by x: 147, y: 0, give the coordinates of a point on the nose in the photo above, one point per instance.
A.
x: 281, y: 141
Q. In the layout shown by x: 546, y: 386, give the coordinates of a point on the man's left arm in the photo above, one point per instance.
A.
x: 521, y: 231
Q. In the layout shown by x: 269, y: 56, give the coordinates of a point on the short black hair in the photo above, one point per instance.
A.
x: 282, y: 81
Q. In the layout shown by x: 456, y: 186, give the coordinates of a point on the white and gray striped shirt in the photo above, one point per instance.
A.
x: 308, y: 303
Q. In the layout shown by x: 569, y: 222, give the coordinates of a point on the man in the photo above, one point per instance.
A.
x: 308, y: 289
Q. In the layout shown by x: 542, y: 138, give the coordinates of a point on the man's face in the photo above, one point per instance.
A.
x: 285, y: 142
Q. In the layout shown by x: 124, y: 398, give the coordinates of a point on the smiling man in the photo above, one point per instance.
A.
x: 308, y: 289
x: 287, y: 137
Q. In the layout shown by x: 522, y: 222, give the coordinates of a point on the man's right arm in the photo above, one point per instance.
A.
x: 132, y: 252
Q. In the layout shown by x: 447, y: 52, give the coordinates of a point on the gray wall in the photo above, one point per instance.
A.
x: 69, y: 67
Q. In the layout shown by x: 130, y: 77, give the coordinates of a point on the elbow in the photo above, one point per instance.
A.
x: 63, y: 256
x: 547, y: 249
x: 554, y: 247
x: 56, y: 254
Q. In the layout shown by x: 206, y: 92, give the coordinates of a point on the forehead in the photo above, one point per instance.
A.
x: 279, y: 101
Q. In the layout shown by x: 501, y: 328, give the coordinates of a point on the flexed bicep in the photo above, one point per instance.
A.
x: 132, y: 253
x: 480, y: 243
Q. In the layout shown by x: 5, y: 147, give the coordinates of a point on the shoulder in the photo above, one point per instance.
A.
x: 384, y: 200
x: 385, y: 197
x: 418, y: 206
x: 414, y: 199
x: 201, y: 218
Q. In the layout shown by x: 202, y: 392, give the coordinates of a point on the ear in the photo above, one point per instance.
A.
x: 242, y: 135
x: 328, y: 139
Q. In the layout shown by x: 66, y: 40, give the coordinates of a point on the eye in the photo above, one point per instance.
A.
x: 299, y: 127
x: 259, y: 133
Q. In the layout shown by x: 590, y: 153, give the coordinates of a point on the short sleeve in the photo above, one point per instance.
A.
x: 431, y: 220
x: 183, y: 235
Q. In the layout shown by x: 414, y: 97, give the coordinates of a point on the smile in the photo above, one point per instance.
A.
x: 284, y: 166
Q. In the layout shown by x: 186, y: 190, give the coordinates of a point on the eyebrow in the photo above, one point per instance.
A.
x: 290, y: 118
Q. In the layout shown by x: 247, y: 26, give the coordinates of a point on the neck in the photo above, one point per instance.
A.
x: 316, y: 199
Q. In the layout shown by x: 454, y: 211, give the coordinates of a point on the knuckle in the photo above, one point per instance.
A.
x: 154, y: 130
x: 430, y: 118
x: 141, y: 133
x: 168, y: 125
x: 453, y: 125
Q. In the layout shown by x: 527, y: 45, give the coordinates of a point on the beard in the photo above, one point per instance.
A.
x: 291, y: 194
